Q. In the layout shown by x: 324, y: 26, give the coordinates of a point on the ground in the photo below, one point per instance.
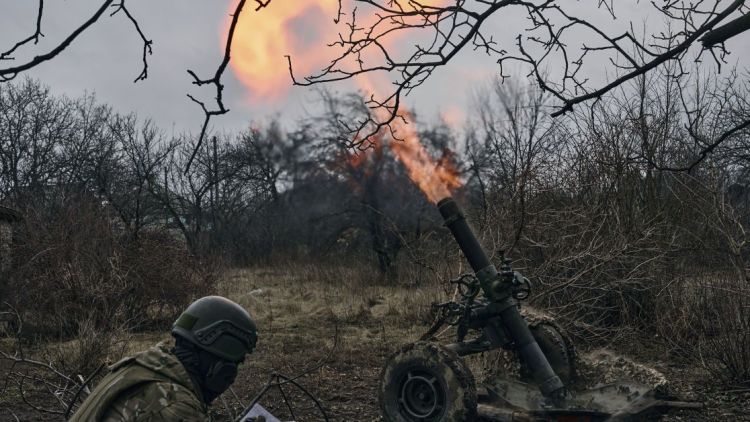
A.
x: 298, y: 312
x: 343, y: 326
x: 302, y: 314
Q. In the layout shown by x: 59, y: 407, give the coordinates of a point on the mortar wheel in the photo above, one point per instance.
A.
x: 556, y: 348
x: 426, y: 382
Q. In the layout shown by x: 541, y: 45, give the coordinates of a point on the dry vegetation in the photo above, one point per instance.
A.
x: 305, y: 313
x: 346, y: 317
x: 630, y: 216
x: 118, y: 237
x: 303, y: 310
x: 306, y: 317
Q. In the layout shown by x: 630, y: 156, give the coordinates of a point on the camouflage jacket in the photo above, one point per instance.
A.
x: 150, y: 386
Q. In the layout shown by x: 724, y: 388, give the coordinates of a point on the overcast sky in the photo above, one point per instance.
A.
x: 188, y: 34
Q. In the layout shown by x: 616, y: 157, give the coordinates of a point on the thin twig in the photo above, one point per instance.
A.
x: 33, y: 37
x: 216, y: 79
x: 11, y: 72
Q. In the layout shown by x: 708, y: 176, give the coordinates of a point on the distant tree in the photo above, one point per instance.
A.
x: 561, y: 46
x: 556, y: 36
x: 33, y: 124
x: 515, y: 150
x: 140, y: 154
x: 119, y: 7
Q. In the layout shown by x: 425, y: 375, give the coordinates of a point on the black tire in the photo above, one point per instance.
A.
x: 427, y: 382
x: 558, y: 351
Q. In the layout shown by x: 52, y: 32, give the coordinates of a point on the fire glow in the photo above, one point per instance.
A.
x: 434, y: 178
x: 261, y: 40
x: 300, y: 29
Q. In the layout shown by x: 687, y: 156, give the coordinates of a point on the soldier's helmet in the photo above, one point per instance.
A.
x: 218, y: 326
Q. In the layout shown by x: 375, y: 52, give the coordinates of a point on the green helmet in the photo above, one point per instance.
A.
x: 218, y: 326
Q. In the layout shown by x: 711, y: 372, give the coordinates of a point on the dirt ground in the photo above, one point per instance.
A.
x: 302, y: 317
x: 341, y: 336
x: 298, y: 312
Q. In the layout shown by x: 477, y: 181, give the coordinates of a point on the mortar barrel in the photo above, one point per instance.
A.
x: 515, y: 325
x: 463, y: 234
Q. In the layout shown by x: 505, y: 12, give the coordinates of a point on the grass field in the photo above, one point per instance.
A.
x: 303, y: 310
x: 306, y: 317
x: 344, y: 324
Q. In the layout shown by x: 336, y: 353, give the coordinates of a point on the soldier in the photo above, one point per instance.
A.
x: 212, y: 337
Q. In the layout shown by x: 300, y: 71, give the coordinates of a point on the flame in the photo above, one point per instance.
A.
x: 434, y: 177
x: 360, y: 166
x: 301, y: 30
x: 369, y: 156
x: 261, y: 40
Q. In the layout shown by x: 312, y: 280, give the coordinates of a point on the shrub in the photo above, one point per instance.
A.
x: 705, y: 319
x: 725, y: 327
x: 76, y: 271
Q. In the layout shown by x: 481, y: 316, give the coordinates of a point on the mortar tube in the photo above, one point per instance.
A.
x: 549, y: 383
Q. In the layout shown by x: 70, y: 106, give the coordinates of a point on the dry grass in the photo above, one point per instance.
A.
x: 301, y: 311
x: 298, y: 307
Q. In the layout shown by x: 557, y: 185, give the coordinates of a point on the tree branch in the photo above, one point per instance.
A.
x: 545, y: 42
x: 216, y: 79
x: 11, y: 72
x: 33, y: 37
x: 147, y: 43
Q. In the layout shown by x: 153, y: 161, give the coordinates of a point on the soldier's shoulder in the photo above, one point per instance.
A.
x: 167, y: 391
x: 156, y: 401
x: 154, y: 356
x: 162, y: 361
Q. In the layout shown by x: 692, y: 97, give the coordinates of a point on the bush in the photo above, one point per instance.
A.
x: 76, y: 271
x: 725, y: 327
x: 705, y: 319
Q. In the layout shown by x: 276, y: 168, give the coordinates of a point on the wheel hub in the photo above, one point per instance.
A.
x: 421, y: 396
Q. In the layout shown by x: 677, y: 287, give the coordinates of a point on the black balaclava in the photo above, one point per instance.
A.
x: 198, y: 363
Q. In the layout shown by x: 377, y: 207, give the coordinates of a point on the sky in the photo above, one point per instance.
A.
x: 188, y: 34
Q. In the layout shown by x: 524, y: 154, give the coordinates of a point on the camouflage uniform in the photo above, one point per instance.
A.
x: 150, y: 386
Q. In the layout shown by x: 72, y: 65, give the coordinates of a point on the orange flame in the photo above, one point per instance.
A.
x: 434, y: 178
x: 301, y: 29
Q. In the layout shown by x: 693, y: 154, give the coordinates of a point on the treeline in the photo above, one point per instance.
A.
x: 270, y: 192
x: 628, y: 216
x: 247, y: 196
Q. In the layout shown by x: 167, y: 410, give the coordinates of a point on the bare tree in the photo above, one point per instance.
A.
x: 227, y: 181
x: 11, y: 72
x: 33, y: 122
x: 86, y: 155
x: 556, y: 36
x: 142, y: 152
x: 119, y: 7
x: 552, y: 38
x: 518, y: 145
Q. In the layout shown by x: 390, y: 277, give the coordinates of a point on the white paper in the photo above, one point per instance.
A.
x: 259, y: 410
